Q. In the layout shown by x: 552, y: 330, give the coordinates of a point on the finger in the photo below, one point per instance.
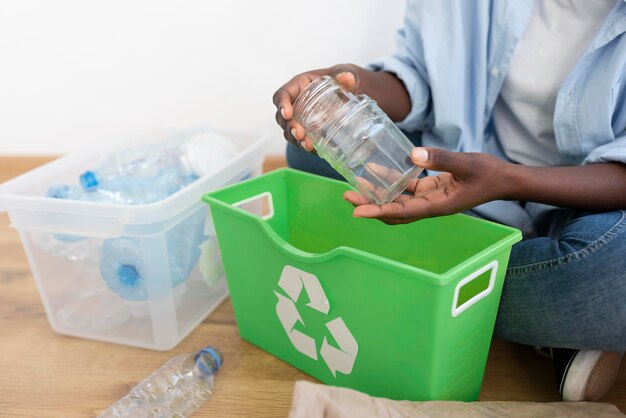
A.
x: 412, y: 185
x: 425, y: 184
x: 403, y: 197
x: 283, y: 102
x: 347, y: 80
x: 296, y: 130
x: 368, y: 188
x: 290, y: 131
x: 395, y: 221
x: 282, y: 122
x: 355, y: 198
x: 347, y: 75
x: 390, y: 175
x: 285, y: 96
x: 307, y: 144
x: 418, y: 208
x: 440, y: 160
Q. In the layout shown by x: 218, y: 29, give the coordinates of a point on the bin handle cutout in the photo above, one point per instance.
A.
x: 261, y: 205
x: 456, y: 310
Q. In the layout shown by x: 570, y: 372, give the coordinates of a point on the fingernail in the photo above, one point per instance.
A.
x: 303, y: 144
x: 420, y: 154
x: 293, y: 132
x: 282, y: 112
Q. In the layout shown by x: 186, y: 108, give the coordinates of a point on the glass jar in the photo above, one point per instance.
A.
x: 357, y: 139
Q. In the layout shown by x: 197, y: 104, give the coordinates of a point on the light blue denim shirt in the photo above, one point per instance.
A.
x: 453, y: 56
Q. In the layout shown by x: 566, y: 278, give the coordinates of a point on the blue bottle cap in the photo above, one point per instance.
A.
x: 89, y: 181
x: 209, y: 360
x: 128, y: 275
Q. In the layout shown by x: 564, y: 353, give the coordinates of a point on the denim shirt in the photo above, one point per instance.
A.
x: 453, y: 56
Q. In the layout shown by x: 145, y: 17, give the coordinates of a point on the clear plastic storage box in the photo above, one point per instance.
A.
x: 71, y: 246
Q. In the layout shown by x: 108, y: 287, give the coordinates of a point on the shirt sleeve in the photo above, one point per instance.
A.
x: 614, y: 151
x: 408, y: 65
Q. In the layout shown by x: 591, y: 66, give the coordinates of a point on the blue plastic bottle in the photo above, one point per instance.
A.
x: 122, y: 265
x: 168, y: 166
x: 66, y: 191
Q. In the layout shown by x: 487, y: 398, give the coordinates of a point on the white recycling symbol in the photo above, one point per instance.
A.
x: 340, y: 359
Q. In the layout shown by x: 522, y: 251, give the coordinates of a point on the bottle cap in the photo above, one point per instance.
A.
x: 89, y: 181
x: 209, y: 360
x: 207, y: 152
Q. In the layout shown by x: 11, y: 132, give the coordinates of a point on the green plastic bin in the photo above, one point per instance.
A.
x: 404, y: 312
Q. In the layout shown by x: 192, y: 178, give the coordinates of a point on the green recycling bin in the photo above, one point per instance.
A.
x: 403, y: 311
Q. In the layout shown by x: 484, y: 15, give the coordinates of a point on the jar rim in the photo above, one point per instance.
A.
x: 310, y: 96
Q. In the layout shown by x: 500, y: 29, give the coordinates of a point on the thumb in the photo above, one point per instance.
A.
x: 440, y: 160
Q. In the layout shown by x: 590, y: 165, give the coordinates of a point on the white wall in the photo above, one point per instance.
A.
x: 75, y: 72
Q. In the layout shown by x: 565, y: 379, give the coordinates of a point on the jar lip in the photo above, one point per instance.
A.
x: 310, y: 95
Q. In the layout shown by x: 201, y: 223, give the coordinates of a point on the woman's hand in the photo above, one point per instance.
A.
x: 347, y: 75
x: 467, y: 180
x: 385, y: 88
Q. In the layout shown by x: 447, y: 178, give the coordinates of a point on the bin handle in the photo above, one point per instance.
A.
x: 255, y: 198
x: 456, y: 310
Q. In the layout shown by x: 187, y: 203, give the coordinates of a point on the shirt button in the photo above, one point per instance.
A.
x: 495, y: 71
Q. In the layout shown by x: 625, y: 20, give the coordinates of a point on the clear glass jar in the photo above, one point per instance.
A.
x: 357, y: 139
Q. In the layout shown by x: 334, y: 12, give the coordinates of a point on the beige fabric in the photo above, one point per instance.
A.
x: 312, y: 400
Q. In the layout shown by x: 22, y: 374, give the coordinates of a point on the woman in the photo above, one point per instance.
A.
x: 518, y: 112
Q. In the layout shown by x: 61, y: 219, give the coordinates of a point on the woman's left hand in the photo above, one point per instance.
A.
x: 466, y: 180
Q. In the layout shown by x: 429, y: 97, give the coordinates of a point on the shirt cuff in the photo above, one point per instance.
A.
x: 419, y: 93
x: 614, y: 151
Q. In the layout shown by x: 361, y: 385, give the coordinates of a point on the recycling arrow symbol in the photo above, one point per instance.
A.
x: 338, y: 359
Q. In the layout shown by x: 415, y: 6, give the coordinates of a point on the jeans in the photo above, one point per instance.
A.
x: 564, y: 289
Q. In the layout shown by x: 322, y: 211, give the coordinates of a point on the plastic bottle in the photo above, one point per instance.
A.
x: 176, y: 389
x: 357, y: 138
x: 143, y: 190
x: 65, y: 191
x: 180, y: 159
x: 122, y: 263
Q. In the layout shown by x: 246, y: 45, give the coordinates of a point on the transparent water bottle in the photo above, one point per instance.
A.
x: 176, y: 389
x: 122, y: 263
x: 127, y: 190
x: 185, y: 157
x: 133, y: 190
x: 357, y: 139
x: 66, y: 191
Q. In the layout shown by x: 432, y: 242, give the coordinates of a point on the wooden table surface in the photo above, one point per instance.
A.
x: 43, y: 374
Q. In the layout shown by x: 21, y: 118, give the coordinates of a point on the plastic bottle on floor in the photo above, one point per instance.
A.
x: 176, y: 389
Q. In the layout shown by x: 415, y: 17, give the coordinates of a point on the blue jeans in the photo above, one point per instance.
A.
x: 565, y: 290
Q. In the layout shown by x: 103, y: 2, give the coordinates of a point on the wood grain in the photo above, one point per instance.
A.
x: 43, y: 374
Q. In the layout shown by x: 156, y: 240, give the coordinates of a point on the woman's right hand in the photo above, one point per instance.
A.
x: 346, y: 74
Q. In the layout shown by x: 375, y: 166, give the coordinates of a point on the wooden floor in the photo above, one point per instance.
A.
x: 43, y: 374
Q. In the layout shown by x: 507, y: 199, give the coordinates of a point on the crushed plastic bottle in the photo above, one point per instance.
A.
x: 122, y: 263
x: 159, y: 169
x: 176, y: 389
x: 146, y: 174
x: 65, y: 191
